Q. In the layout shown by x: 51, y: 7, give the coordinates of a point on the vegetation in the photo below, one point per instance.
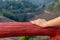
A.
x: 17, y: 10
x: 54, y: 6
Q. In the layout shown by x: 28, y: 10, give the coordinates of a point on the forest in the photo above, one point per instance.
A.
x: 17, y: 10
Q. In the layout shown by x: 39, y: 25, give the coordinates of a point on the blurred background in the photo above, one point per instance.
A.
x: 27, y: 10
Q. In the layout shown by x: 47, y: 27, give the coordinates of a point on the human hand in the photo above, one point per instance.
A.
x: 39, y: 22
x: 44, y: 23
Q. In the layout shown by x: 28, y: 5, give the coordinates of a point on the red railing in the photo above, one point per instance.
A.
x: 12, y: 29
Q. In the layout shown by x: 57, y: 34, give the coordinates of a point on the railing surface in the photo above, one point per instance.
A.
x: 12, y: 29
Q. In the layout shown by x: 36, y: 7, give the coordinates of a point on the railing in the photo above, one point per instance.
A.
x: 12, y: 29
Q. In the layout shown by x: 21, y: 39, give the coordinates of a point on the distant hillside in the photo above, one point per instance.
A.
x: 5, y: 19
x: 46, y: 15
x: 36, y: 2
x: 40, y: 2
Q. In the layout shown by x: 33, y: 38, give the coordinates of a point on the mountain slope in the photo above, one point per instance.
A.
x: 5, y: 19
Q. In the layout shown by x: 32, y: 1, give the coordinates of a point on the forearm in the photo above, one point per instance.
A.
x: 53, y: 22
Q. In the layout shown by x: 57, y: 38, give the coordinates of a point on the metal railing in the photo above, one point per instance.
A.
x: 12, y: 29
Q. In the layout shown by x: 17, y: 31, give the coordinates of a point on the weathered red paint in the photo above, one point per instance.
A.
x: 11, y: 29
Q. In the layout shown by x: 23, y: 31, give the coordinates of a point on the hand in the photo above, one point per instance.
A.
x: 39, y: 22
x: 44, y: 23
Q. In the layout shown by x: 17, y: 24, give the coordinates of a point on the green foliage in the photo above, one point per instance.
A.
x: 23, y: 6
x: 17, y: 10
x: 18, y: 18
x: 54, y: 6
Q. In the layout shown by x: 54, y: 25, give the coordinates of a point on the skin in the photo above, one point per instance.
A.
x: 44, y: 23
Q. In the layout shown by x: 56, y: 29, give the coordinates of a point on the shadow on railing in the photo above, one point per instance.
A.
x: 12, y: 29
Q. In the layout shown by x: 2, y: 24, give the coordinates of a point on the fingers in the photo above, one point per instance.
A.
x: 39, y: 22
